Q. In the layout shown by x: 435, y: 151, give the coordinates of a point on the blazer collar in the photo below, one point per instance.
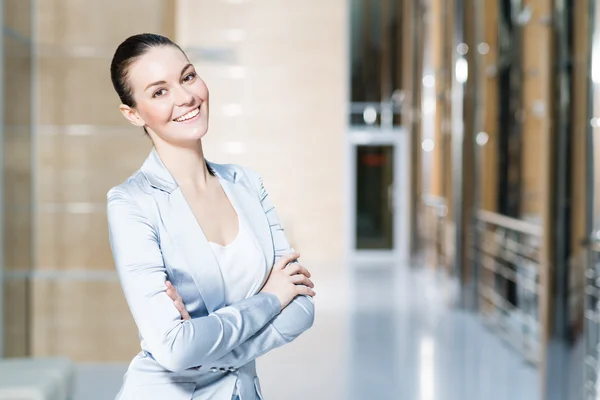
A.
x: 179, y: 220
x: 160, y: 178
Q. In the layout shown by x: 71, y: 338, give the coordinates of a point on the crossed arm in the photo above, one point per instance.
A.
x: 294, y: 319
x: 229, y: 337
x: 285, y: 327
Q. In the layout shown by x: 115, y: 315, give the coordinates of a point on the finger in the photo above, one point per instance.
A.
x: 286, y: 259
x: 179, y: 298
x: 185, y: 315
x: 303, y: 271
x: 305, y: 290
x: 181, y: 308
x: 294, y: 269
x: 300, y: 279
x: 172, y: 294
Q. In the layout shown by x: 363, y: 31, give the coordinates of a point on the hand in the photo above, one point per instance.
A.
x: 288, y: 281
x: 177, y: 301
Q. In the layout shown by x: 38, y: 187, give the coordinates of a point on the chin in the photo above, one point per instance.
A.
x: 193, y: 134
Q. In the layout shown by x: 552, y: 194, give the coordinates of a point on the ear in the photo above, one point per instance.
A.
x: 132, y: 115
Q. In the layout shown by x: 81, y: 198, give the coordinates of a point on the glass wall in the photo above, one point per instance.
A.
x: 379, y: 93
x: 376, y: 68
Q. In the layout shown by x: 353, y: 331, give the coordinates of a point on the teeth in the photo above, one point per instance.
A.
x: 189, y: 115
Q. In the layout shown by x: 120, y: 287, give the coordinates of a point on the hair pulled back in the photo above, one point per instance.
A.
x: 130, y: 50
x: 127, y: 52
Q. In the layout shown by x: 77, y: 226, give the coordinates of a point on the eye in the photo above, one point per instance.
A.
x: 159, y: 92
x: 189, y: 77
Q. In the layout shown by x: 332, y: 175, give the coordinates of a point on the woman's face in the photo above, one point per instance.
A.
x: 171, y: 99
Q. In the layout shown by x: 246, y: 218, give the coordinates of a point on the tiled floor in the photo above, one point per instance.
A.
x: 381, y: 333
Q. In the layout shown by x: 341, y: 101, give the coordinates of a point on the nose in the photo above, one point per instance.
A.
x: 183, y: 97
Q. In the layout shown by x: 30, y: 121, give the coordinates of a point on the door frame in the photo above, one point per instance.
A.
x: 397, y: 138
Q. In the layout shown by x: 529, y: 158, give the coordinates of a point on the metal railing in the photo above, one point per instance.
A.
x: 592, y: 322
x: 507, y: 252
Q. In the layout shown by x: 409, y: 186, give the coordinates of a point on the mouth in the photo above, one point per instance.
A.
x: 192, y: 115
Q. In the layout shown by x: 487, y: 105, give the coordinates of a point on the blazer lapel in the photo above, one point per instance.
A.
x: 202, y: 265
x: 181, y: 225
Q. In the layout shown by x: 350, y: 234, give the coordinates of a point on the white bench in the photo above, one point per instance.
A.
x: 36, y: 379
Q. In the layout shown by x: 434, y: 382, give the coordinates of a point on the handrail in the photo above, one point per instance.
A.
x: 509, y: 223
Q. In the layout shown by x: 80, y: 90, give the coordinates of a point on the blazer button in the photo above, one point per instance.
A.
x: 223, y: 369
x: 213, y: 369
x: 232, y: 369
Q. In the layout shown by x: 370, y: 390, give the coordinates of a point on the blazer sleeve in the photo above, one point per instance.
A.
x: 293, y: 320
x: 300, y: 313
x: 175, y: 344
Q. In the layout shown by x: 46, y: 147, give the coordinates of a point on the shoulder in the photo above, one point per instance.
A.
x: 131, y: 200
x: 134, y: 189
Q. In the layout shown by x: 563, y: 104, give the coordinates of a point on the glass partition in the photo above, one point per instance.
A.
x: 375, y: 63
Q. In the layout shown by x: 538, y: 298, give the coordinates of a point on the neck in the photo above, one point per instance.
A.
x: 185, y: 164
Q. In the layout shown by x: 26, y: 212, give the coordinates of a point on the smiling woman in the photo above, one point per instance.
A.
x: 206, y: 269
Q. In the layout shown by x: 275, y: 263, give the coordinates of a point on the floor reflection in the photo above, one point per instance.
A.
x: 418, y: 347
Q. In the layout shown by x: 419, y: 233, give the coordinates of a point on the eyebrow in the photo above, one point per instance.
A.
x: 164, y: 82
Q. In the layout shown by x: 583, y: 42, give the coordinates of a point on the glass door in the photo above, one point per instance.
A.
x: 378, y: 193
x: 374, y: 192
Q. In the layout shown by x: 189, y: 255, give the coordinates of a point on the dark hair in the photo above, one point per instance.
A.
x: 127, y: 52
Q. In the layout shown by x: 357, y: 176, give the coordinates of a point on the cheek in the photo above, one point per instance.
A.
x: 157, y: 113
x: 202, y: 89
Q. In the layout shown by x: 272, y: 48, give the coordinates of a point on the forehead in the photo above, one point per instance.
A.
x: 161, y: 63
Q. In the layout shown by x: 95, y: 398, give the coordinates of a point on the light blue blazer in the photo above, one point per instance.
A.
x: 154, y: 237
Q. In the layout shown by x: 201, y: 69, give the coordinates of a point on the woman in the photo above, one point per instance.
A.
x: 208, y: 274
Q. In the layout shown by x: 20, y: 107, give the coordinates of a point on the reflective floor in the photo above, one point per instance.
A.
x: 380, y: 333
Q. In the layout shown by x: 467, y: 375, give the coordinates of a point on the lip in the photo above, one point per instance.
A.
x: 187, y: 112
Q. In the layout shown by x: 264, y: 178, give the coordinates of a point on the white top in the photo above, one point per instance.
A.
x: 242, y: 267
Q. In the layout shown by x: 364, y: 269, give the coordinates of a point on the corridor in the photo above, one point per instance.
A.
x: 458, y: 138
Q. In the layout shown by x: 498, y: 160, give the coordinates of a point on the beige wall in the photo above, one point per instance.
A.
x: 83, y: 147
x: 292, y: 97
